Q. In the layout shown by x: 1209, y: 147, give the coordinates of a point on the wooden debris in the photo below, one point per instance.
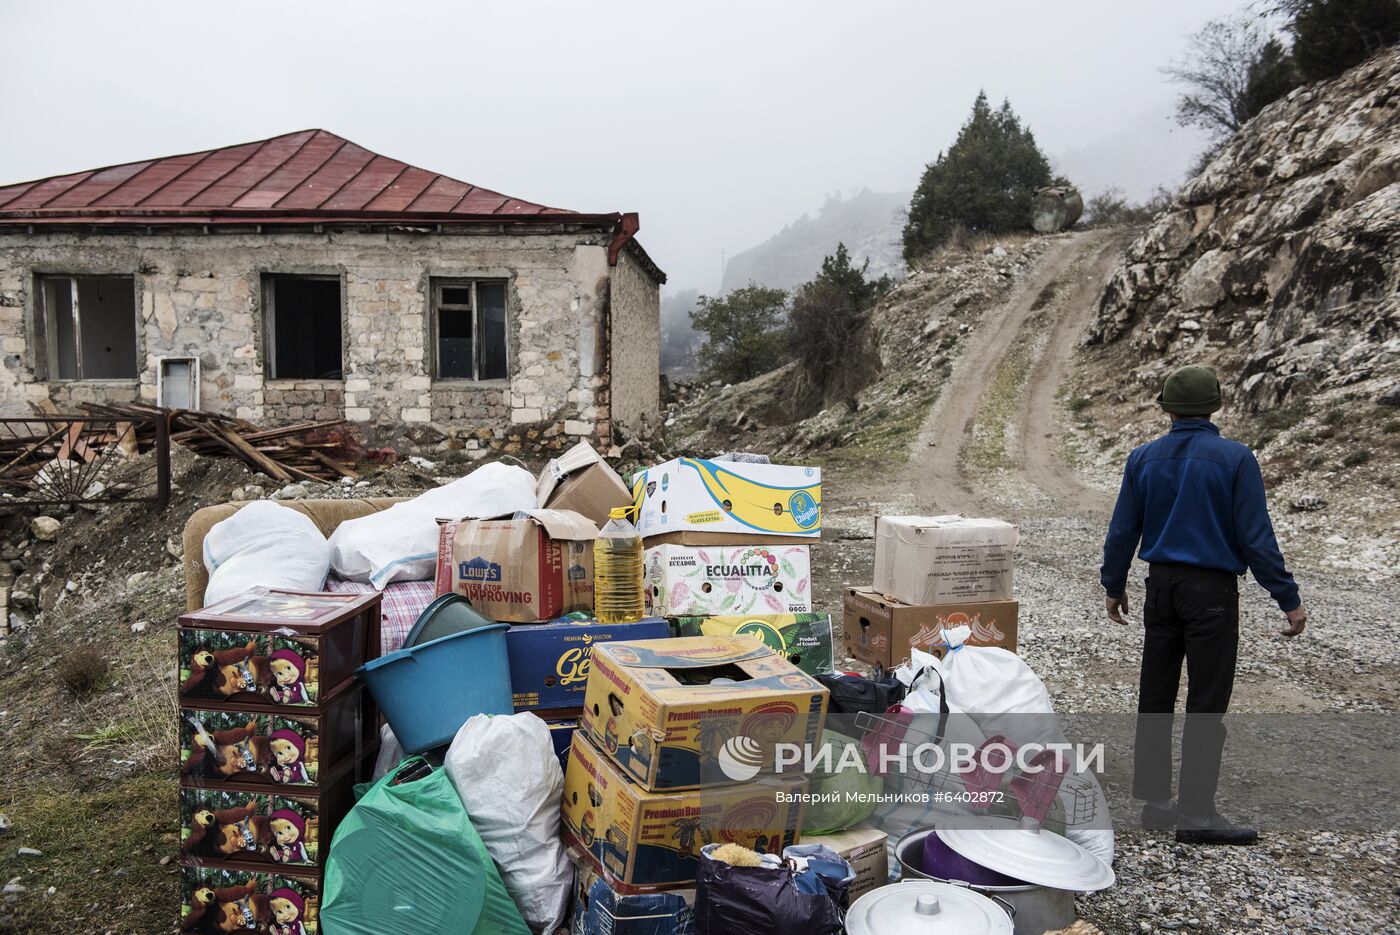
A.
x: 286, y: 453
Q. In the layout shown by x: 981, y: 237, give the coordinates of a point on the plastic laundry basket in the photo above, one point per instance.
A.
x: 428, y: 691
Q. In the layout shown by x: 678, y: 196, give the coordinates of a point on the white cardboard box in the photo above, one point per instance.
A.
x: 692, y: 495
x: 865, y: 849
x: 944, y: 559
x: 701, y: 580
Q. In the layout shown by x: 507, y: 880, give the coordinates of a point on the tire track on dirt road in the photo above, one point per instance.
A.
x: 1062, y: 291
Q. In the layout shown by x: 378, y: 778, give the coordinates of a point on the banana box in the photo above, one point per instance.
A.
x: 696, y: 711
x: 695, y: 497
x: 803, y: 639
x: 654, y: 838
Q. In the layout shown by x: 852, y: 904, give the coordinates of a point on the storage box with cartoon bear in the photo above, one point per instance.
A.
x: 654, y: 838
x: 221, y: 743
x: 248, y: 823
x: 281, y: 648
x: 247, y: 900
x: 694, y: 711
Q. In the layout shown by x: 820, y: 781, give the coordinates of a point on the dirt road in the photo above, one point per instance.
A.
x: 1004, y: 389
x: 991, y: 446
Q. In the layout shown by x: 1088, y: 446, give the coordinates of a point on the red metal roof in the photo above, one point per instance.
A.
x: 303, y: 177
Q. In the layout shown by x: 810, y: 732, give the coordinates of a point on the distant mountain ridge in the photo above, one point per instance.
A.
x: 868, y: 223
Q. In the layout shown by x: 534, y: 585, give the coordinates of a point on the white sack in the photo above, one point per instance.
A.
x: 996, y: 688
x: 508, y: 776
x: 265, y: 545
x: 400, y: 543
x: 390, y: 753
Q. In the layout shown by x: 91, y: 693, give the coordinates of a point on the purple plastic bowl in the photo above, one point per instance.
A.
x: 939, y: 860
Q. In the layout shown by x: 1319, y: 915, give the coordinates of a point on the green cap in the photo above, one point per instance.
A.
x: 1191, y: 391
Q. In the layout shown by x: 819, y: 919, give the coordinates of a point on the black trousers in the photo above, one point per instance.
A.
x: 1192, y: 614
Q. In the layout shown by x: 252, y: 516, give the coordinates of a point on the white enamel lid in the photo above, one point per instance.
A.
x: 1022, y: 849
x: 926, y: 907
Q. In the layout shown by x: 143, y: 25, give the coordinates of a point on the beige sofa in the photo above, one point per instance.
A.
x: 327, y: 514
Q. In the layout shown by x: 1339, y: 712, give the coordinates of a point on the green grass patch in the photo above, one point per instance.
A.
x: 988, y: 448
x: 101, y: 854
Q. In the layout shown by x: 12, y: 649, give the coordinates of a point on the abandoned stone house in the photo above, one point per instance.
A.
x: 305, y: 277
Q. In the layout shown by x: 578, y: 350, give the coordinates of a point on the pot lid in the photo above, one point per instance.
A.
x: 926, y: 907
x: 1022, y: 850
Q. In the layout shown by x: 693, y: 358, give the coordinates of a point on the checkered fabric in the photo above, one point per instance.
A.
x: 403, y: 602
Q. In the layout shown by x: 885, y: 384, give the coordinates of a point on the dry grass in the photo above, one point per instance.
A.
x: 82, y: 670
x: 145, y: 730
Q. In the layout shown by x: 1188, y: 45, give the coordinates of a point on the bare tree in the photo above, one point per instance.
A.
x: 1216, y: 74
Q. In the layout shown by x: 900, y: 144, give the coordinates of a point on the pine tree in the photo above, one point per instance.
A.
x: 984, y: 183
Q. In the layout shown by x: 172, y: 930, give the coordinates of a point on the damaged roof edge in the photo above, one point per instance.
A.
x: 111, y: 222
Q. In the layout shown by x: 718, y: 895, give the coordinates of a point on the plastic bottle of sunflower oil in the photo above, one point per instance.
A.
x: 617, y: 571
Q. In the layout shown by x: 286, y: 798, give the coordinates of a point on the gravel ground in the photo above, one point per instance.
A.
x: 1290, y: 882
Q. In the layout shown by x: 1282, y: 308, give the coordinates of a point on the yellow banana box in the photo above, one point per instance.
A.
x: 654, y: 838
x: 697, y: 711
x: 692, y: 495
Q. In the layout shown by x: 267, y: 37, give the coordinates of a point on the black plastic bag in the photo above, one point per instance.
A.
x: 852, y: 694
x: 768, y: 900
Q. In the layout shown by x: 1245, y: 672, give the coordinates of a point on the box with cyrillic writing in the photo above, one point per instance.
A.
x: 944, y: 559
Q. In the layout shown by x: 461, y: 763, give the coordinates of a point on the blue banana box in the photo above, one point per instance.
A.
x: 549, y: 662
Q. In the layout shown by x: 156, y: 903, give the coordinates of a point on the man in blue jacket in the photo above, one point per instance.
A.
x: 1196, y: 503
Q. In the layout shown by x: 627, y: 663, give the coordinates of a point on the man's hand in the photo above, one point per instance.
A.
x: 1116, y: 607
x: 1297, y: 619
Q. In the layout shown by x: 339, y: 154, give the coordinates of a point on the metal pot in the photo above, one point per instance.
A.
x: 927, y: 907
x: 1038, y: 908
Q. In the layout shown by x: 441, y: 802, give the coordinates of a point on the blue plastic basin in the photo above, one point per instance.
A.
x: 428, y: 691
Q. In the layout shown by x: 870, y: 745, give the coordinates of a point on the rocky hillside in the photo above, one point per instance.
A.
x: 1280, y: 265
x: 869, y: 224
x: 914, y: 335
x: 1281, y: 260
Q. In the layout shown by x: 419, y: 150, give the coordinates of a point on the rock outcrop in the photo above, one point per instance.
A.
x: 1280, y: 262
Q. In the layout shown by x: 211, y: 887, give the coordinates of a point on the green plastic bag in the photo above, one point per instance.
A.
x: 407, y: 859
x: 821, y: 817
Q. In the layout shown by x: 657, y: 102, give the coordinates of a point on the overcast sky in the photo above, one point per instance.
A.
x: 718, y: 121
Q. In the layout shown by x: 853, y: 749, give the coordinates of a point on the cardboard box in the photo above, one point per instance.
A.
x: 757, y: 578
x: 729, y: 497
x: 654, y: 838
x: 235, y: 890
x: 655, y: 709
x: 880, y: 631
x: 944, y: 559
x: 581, y: 481
x: 561, y: 734
x: 803, y: 639
x: 522, y: 570
x: 602, y: 906
x: 865, y: 849
x: 549, y: 661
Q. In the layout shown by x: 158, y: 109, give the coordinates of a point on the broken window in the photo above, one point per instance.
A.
x: 469, y: 323
x: 88, y: 327
x: 302, y: 330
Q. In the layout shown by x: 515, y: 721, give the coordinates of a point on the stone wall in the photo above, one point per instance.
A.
x: 200, y: 295
x: 636, y: 347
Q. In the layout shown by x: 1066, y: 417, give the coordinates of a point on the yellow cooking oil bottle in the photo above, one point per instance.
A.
x: 617, y: 571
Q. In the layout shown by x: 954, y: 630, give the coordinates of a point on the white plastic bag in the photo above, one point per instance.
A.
x: 265, y: 545
x: 508, y: 776
x: 997, y: 690
x: 390, y: 754
x: 400, y: 543
x: 925, y: 678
